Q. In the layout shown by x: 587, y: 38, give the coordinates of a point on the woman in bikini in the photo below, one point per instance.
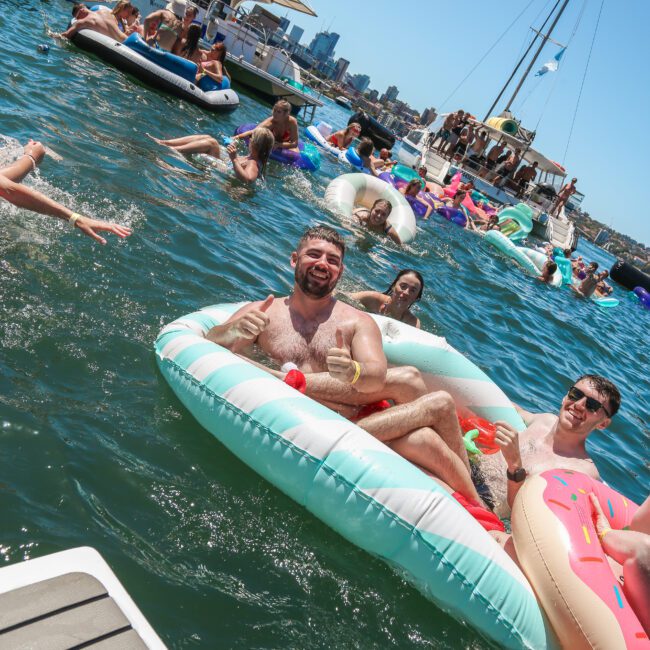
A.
x: 397, y: 300
x: 191, y: 50
x: 411, y: 192
x: 376, y: 219
x: 211, y: 66
x: 282, y: 124
x: 246, y: 168
x: 345, y: 137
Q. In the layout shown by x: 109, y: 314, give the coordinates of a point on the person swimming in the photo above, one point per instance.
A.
x: 376, y: 219
x: 282, y: 125
x: 411, y: 192
x: 396, y: 302
x: 345, y: 137
x: 246, y: 168
x: 549, y: 268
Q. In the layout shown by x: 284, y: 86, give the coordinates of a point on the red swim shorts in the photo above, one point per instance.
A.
x: 369, y: 409
x: 485, y: 517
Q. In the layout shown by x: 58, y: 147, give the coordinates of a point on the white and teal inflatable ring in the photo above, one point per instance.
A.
x: 350, y: 480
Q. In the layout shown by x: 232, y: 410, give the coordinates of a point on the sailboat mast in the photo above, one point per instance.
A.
x: 539, y: 51
x: 514, y: 72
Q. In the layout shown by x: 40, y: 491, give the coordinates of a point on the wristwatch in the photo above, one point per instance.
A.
x: 518, y: 475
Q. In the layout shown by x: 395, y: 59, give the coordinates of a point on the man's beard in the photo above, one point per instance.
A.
x: 309, y: 287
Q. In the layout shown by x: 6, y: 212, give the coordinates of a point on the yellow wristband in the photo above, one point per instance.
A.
x: 73, y: 218
x: 357, y: 372
x: 603, y: 533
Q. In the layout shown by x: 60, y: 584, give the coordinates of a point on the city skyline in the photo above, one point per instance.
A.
x: 428, y: 64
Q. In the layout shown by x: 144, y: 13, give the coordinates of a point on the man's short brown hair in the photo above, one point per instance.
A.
x: 606, y: 389
x: 325, y: 233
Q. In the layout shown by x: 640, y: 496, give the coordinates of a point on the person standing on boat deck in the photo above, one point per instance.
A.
x: 12, y: 190
x: 444, y: 132
x: 478, y: 147
x: 103, y: 22
x: 339, y: 350
x: 492, y: 158
x: 466, y: 139
x: 448, y: 134
x: 188, y: 20
x: 282, y: 124
x: 563, y: 196
x: 507, y: 168
x: 397, y: 300
x: 525, y: 175
x: 169, y: 24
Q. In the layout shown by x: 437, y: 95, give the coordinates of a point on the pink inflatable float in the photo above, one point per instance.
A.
x: 451, y: 189
x: 561, y: 555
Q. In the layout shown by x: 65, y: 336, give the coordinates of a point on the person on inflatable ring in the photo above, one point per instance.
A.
x: 376, y: 219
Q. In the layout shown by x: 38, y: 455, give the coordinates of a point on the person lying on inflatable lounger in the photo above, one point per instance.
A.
x: 339, y: 350
x: 104, y: 22
x: 22, y: 196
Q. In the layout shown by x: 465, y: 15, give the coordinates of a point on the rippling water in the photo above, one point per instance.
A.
x: 95, y: 448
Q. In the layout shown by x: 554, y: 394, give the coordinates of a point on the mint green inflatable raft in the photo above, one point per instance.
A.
x: 354, y: 483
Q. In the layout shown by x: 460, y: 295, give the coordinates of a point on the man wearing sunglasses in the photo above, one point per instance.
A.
x: 549, y: 441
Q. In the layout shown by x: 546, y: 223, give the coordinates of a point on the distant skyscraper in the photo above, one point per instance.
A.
x: 428, y: 115
x: 340, y: 70
x: 360, y: 82
x: 602, y: 237
x: 296, y: 34
x: 390, y: 95
x: 323, y: 44
x: 373, y: 95
x: 284, y: 24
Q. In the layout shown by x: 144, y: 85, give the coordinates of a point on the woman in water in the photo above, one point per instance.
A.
x: 345, y: 137
x: 397, y: 300
x: 246, y: 168
x: 364, y: 150
x: 411, y: 192
x: 282, y: 125
x: 376, y: 219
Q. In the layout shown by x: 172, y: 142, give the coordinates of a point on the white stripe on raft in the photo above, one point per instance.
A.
x: 254, y: 393
x: 205, y: 365
x: 180, y: 343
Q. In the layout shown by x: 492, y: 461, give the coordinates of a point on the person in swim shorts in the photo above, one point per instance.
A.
x: 339, y: 351
x: 282, y: 124
x: 12, y: 190
x: 377, y: 219
x: 396, y: 302
x: 445, y: 131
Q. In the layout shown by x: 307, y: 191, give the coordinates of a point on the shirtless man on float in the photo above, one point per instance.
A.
x: 339, y: 350
x: 104, y: 22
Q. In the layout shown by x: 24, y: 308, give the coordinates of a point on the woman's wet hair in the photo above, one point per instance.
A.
x: 192, y: 40
x: 413, y: 183
x: 283, y: 104
x: 120, y: 6
x: 351, y: 126
x: 262, y: 142
x: 365, y: 147
x: 551, y: 267
x: 385, y: 203
x: 218, y: 47
x: 401, y: 274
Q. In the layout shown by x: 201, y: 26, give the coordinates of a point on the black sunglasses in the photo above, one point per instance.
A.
x: 591, y: 404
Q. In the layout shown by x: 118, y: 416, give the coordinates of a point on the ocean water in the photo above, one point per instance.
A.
x: 95, y: 448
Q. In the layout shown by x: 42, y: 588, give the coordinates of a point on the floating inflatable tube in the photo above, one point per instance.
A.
x: 354, y: 483
x: 602, y: 301
x: 539, y: 259
x: 522, y: 216
x: 505, y: 245
x: 350, y: 190
x: 128, y: 60
x: 306, y: 158
x: 453, y: 214
x: 312, y: 133
x: 559, y: 550
x: 419, y: 210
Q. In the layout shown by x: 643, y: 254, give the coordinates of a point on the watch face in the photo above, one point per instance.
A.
x: 518, y: 475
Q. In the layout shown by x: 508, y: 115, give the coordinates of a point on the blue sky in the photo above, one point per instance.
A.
x: 426, y: 48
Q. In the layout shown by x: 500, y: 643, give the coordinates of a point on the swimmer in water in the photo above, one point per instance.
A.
x: 397, y: 300
x: 246, y: 168
x: 411, y: 192
x: 282, y: 124
x: 12, y: 190
x: 548, y: 270
x: 376, y: 219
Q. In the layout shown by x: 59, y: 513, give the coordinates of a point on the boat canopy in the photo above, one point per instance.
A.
x: 296, y: 5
